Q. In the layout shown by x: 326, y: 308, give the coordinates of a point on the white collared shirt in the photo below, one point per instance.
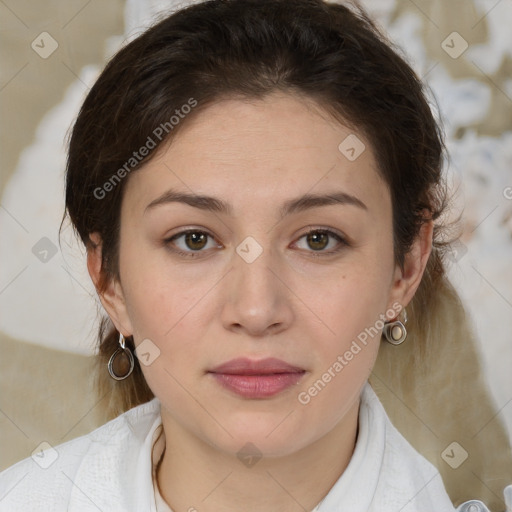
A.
x: 112, y: 469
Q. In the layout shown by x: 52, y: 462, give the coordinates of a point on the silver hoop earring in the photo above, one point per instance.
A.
x: 395, y: 332
x: 121, y: 363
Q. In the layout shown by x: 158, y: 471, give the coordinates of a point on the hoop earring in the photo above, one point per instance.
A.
x: 123, y: 367
x: 395, y: 332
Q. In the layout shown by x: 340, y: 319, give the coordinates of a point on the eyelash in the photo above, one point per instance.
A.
x: 317, y: 254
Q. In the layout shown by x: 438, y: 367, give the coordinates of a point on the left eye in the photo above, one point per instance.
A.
x: 320, y: 239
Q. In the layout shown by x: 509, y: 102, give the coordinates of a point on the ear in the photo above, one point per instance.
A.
x: 111, y: 296
x: 406, y: 281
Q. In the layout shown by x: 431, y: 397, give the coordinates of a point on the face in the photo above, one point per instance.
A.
x: 289, y: 257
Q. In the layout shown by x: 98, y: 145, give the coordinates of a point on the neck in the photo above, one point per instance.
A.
x: 195, y: 476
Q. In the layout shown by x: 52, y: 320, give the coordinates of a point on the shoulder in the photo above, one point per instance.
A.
x: 407, y: 479
x: 54, y: 476
x: 406, y: 475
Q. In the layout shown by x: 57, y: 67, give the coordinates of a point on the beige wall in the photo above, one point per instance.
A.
x: 45, y: 395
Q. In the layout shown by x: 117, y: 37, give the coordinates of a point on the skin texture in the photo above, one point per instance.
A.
x: 291, y: 302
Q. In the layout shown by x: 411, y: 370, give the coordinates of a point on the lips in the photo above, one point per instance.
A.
x: 257, y: 379
x: 243, y: 366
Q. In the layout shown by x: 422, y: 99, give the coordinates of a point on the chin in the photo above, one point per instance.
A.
x: 260, y: 438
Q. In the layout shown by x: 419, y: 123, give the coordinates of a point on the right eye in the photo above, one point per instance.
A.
x: 188, y: 242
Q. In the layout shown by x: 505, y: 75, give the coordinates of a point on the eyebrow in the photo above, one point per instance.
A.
x: 213, y: 204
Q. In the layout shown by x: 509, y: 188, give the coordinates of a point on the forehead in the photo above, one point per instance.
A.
x: 260, y: 148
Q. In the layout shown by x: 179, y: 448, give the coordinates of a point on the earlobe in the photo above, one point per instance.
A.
x: 407, y: 280
x: 109, y: 291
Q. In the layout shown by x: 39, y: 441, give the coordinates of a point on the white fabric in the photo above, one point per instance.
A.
x: 111, y: 469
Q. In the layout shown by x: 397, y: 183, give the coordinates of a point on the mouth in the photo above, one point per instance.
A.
x: 257, y: 379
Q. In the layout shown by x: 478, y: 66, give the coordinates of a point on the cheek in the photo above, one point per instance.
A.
x: 165, y: 326
x: 346, y: 345
x: 348, y: 336
x: 157, y: 292
x: 168, y: 311
x: 352, y: 302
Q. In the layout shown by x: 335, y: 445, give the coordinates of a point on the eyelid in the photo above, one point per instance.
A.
x: 330, y: 231
x: 183, y: 232
x: 342, y: 239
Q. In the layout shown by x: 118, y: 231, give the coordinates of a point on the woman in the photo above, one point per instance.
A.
x: 259, y: 189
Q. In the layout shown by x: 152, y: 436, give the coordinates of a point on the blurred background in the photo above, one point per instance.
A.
x: 51, y: 53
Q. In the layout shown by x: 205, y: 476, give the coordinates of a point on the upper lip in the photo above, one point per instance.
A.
x: 245, y: 366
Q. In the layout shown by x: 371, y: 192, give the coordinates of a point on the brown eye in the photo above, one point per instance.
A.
x: 191, y: 243
x: 196, y: 240
x: 317, y: 240
x: 324, y: 242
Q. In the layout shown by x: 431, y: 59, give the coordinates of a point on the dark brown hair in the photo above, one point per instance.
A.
x: 328, y: 53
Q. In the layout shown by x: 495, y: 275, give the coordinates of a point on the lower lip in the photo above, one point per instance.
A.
x: 258, y: 386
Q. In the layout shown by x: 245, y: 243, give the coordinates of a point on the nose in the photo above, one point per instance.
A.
x: 257, y: 301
